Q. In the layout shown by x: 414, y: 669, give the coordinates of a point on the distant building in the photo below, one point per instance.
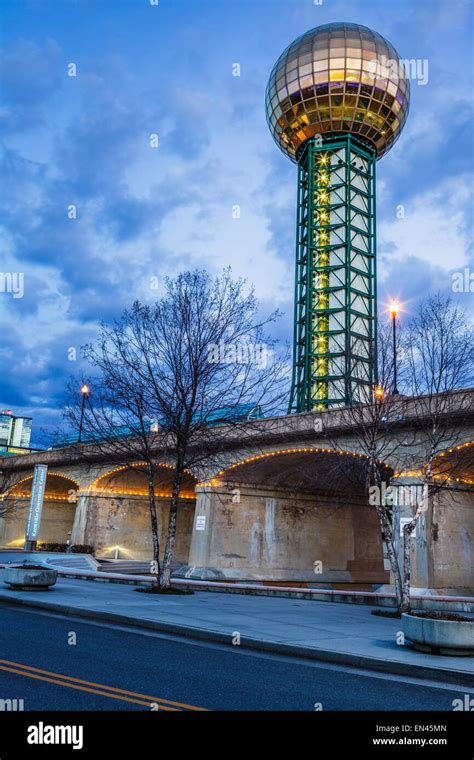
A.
x: 6, y: 426
x: 15, y: 433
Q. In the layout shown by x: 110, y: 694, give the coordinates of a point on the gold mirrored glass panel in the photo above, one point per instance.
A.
x: 335, y: 79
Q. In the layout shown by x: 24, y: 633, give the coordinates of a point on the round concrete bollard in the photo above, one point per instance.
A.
x: 437, y: 636
x: 26, y: 578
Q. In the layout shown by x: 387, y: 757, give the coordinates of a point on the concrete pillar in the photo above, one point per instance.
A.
x: 442, y: 546
x: 407, y: 494
x: 201, y: 536
x: 80, y: 520
x: 256, y: 533
x: 452, y: 539
x: 269, y: 534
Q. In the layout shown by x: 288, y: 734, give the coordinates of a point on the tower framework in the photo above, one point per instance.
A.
x: 334, y: 359
x: 336, y: 101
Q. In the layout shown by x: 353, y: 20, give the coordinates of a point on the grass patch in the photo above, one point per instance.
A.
x: 165, y: 591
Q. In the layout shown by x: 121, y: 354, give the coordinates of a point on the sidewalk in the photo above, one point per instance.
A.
x: 337, y: 633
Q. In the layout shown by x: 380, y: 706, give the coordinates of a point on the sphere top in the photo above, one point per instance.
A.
x: 335, y: 79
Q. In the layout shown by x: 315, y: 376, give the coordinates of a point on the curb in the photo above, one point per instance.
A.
x: 425, y: 672
x: 338, y: 596
x: 461, y: 604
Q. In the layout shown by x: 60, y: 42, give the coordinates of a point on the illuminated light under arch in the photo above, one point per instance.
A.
x: 97, y: 489
x: 278, y: 452
x: 10, y: 492
x: 439, y: 476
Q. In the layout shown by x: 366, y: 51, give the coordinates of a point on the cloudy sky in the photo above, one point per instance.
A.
x: 145, y: 212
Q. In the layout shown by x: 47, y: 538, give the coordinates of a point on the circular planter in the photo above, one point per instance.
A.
x: 437, y: 636
x: 26, y: 578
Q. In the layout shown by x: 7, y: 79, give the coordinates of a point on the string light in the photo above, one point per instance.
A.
x: 48, y: 496
x: 436, y: 476
x: 134, y: 492
x: 12, y: 491
x: 322, y: 280
x: 277, y: 452
x: 439, y: 476
x: 95, y: 488
x: 135, y: 464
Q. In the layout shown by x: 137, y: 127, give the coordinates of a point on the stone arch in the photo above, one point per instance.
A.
x: 132, y: 481
x: 58, y: 513
x: 56, y: 486
x: 114, y: 513
x: 442, y: 546
x: 457, y: 464
x: 236, y: 466
x: 289, y: 515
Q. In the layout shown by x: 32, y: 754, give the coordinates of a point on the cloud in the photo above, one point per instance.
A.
x: 30, y: 76
x: 435, y: 229
x: 144, y: 213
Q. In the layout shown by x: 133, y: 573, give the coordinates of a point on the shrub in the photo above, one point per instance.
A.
x: 82, y: 549
x: 52, y: 547
x: 75, y: 549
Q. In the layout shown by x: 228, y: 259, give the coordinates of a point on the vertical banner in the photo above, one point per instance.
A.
x: 36, y: 505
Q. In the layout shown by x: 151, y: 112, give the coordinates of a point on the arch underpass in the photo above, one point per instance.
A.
x: 57, y: 519
x: 113, y: 514
x: 443, y: 555
x: 457, y: 464
x: 294, y: 515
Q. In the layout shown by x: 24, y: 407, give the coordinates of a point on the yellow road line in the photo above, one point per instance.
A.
x: 103, y: 689
x: 83, y: 688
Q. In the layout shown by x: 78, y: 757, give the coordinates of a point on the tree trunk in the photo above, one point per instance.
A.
x: 387, y: 531
x: 374, y: 479
x: 165, y: 575
x: 407, y: 536
x: 154, y: 525
x: 407, y: 533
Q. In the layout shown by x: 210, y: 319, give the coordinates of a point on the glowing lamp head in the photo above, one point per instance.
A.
x: 335, y: 79
x: 85, y: 389
x: 379, y: 393
x: 394, y: 308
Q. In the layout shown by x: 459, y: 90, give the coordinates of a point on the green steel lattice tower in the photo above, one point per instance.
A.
x: 336, y: 100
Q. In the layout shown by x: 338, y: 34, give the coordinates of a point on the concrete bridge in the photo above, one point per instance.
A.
x: 280, y: 501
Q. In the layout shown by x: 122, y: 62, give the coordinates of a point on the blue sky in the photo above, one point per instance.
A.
x: 144, y: 213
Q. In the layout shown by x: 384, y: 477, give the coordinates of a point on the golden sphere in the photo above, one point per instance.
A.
x: 334, y: 79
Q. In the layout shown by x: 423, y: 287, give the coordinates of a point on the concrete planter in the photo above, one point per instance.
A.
x: 30, y: 578
x: 451, y: 637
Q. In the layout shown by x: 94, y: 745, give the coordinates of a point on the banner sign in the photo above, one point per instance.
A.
x: 201, y: 522
x: 36, y: 502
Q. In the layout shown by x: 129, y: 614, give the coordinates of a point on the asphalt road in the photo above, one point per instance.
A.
x: 108, y: 668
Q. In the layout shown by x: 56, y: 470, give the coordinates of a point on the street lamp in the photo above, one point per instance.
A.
x: 85, y: 393
x: 393, y: 308
x: 379, y: 393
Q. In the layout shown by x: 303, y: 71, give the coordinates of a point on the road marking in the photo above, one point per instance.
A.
x: 81, y: 688
x: 97, y: 688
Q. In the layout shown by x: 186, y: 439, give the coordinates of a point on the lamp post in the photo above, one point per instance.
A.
x: 85, y: 393
x: 379, y: 393
x: 394, y: 307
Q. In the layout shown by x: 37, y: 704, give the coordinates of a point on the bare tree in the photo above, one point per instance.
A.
x: 435, y: 354
x: 438, y: 347
x: 182, y: 376
x: 373, y: 424
x: 116, y: 420
x: 8, y: 479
